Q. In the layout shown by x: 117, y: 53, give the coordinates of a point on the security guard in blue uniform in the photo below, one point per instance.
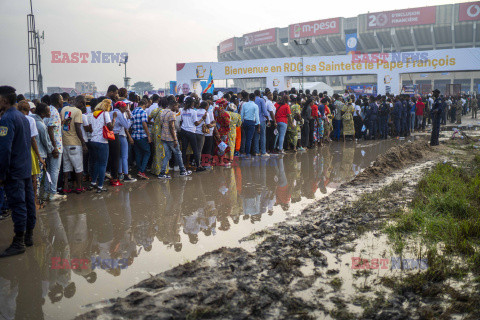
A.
x: 383, y: 111
x: 371, y: 117
x: 435, y: 114
x: 16, y: 171
x: 397, y: 116
x: 405, y: 112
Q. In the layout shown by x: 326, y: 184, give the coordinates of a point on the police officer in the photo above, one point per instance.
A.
x: 435, y: 113
x: 372, y: 113
x: 405, y: 113
x: 383, y: 111
x: 397, y: 116
x: 16, y: 170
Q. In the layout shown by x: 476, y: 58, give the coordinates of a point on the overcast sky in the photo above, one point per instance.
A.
x: 156, y: 33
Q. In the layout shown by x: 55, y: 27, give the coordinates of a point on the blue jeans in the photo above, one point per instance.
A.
x: 123, y: 161
x: 337, y: 128
x: 53, y: 168
x: 263, y: 137
x: 21, y: 201
x: 142, y: 153
x: 256, y: 140
x: 282, y: 130
x: 3, y: 203
x: 177, y: 154
x: 412, y: 121
x: 249, y: 126
x: 100, y: 151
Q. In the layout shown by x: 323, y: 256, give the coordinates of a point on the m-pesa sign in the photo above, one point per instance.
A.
x: 314, y: 28
x: 401, y: 18
x: 469, y: 11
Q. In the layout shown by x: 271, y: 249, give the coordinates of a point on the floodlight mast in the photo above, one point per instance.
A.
x: 35, y: 78
x: 301, y: 45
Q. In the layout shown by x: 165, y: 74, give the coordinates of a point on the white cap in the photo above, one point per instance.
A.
x: 32, y: 105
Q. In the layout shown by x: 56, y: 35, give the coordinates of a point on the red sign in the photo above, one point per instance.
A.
x: 227, y: 45
x: 314, y: 28
x: 260, y: 37
x: 469, y: 11
x: 401, y: 18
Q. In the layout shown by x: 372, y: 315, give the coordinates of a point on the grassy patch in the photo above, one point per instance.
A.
x: 443, y: 218
x: 446, y: 210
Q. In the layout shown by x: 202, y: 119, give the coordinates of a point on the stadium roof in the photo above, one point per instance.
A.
x: 426, y: 28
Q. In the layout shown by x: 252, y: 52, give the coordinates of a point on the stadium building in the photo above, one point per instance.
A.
x: 436, y: 29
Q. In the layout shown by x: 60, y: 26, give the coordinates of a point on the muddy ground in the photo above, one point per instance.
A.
x: 302, y: 268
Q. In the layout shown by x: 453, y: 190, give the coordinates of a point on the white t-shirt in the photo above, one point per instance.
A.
x: 189, y: 117
x: 97, y: 126
x: 270, y: 107
x: 33, y: 127
x: 212, y: 118
x: 200, y: 113
x: 357, y: 108
x: 151, y: 108
x: 85, y: 124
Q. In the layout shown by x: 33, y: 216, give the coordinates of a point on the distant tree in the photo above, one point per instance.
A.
x: 141, y: 86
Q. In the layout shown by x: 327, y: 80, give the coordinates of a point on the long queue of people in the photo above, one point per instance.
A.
x: 71, y: 144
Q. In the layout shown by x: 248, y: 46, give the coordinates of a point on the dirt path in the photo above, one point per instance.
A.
x: 301, y: 268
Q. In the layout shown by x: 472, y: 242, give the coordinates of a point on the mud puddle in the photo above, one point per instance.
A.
x: 149, y: 227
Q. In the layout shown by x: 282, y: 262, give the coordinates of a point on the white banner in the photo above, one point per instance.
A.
x: 380, y: 64
x: 374, y: 63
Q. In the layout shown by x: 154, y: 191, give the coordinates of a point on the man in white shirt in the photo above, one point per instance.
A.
x: 154, y: 106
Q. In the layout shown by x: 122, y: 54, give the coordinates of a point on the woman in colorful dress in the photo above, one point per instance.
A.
x: 235, y: 124
x: 328, y: 122
x: 347, y: 120
x: 222, y: 119
x: 293, y: 128
x: 318, y: 128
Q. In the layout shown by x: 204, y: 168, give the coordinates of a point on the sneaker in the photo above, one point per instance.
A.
x: 185, y: 173
x: 142, y: 176
x: 164, y: 176
x: 265, y: 155
x: 101, y: 189
x: 200, y: 169
x: 121, y: 177
x: 57, y: 197
x: 129, y: 178
x: 91, y: 186
x: 108, y: 175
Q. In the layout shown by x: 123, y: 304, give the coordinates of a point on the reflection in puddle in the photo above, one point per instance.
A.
x: 153, y: 226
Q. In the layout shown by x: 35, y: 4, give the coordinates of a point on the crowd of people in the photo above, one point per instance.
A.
x: 60, y: 145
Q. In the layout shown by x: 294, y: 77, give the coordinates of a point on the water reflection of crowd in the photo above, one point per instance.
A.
x: 122, y: 224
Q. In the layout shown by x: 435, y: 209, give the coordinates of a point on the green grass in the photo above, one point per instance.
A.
x: 446, y: 211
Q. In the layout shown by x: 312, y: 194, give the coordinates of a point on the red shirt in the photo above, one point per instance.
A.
x: 420, y: 106
x: 282, y: 113
x: 314, y: 111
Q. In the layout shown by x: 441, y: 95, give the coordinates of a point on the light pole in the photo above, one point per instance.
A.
x: 126, y: 80
x: 301, y: 45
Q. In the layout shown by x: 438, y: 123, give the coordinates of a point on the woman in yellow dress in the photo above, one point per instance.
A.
x: 347, y: 120
x: 235, y: 122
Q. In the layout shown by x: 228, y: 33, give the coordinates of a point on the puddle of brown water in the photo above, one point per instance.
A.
x: 157, y: 225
